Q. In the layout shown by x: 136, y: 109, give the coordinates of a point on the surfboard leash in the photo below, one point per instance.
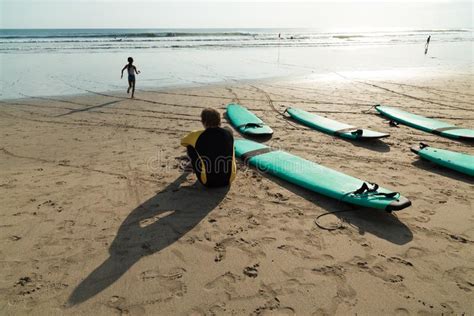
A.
x: 368, y: 110
x: 286, y: 118
x: 341, y: 225
x: 363, y: 189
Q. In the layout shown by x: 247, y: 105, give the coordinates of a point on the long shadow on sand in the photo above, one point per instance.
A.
x: 371, y: 144
x: 89, y: 108
x: 442, y: 171
x: 151, y: 227
x: 376, y: 222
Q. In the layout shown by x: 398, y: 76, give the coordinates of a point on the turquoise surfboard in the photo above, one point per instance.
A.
x: 332, y: 127
x: 457, y: 161
x: 426, y: 124
x: 246, y: 122
x: 318, y: 178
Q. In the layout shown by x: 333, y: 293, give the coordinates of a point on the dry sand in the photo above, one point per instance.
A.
x: 96, y: 217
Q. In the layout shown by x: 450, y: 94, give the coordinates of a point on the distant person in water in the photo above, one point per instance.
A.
x: 132, y: 70
x: 427, y: 44
x: 211, y: 151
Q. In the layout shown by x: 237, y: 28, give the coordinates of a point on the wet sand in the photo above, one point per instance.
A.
x: 96, y: 216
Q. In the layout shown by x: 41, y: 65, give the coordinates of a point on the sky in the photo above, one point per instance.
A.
x: 324, y: 15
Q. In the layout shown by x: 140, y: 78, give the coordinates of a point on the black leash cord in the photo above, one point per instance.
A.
x: 340, y: 226
x: 362, y: 189
x: 367, y: 111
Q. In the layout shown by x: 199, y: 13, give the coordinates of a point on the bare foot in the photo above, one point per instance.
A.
x: 185, y: 166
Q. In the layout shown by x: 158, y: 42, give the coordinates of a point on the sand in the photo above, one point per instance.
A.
x: 96, y: 217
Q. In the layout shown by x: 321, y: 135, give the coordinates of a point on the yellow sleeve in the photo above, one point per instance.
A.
x: 190, y: 139
x: 234, y: 168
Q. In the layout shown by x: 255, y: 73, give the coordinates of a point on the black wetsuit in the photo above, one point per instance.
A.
x: 212, y: 156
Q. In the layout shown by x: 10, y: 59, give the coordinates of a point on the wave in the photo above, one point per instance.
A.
x: 122, y: 33
x: 442, y: 31
x: 347, y: 36
x: 127, y: 35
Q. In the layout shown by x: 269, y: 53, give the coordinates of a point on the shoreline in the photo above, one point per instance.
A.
x: 410, y: 73
x: 97, y: 217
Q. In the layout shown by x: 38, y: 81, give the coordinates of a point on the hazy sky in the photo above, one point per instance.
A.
x: 354, y: 14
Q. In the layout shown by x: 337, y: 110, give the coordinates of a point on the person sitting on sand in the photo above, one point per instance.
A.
x: 132, y: 70
x: 211, y: 151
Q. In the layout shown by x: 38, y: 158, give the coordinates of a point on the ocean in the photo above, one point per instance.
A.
x: 69, y: 61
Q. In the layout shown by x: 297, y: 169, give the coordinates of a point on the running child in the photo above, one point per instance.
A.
x: 132, y: 70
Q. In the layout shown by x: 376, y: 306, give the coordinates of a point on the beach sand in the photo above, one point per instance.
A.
x: 96, y: 217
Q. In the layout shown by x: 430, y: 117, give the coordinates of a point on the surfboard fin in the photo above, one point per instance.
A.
x: 251, y: 125
x: 357, y: 132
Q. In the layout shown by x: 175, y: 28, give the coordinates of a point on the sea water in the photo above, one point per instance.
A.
x: 44, y: 62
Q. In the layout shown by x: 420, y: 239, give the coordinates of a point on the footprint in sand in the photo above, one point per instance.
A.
x: 422, y: 219
x: 428, y: 212
x: 459, y: 274
x: 301, y: 253
x: 321, y: 312
x: 330, y: 270
x: 448, y: 307
x: 196, y: 311
x: 401, y: 312
x: 415, y: 252
x: 253, y: 220
x: 252, y: 271
x: 169, y: 282
x: 225, y: 281
x: 294, y: 213
x: 174, y: 274
x: 116, y: 301
x: 235, y: 212
x: 283, y: 311
x: 221, y: 251
x: 326, y: 257
x: 178, y: 254
x: 250, y: 247
x: 27, y: 289
x: 379, y: 270
x: 67, y: 225
x: 273, y: 307
x: 119, y: 303
x: 400, y: 260
x: 50, y: 204
x: 459, y: 239
x: 267, y: 240
x: 234, y: 231
x: 217, y: 309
